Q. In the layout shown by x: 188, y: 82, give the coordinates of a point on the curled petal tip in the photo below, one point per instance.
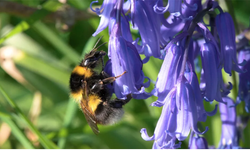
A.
x: 146, y: 59
x: 213, y: 112
x: 96, y: 10
x: 145, y: 136
x: 157, y: 104
x: 178, y: 145
x: 147, y: 84
x: 198, y: 132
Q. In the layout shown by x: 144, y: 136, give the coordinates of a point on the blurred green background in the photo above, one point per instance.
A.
x: 41, y: 42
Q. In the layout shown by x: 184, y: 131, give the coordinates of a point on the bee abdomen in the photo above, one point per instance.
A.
x: 107, y: 115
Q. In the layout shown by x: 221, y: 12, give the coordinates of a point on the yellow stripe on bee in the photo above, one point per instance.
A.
x: 94, y: 101
x: 83, y: 71
x: 77, y: 96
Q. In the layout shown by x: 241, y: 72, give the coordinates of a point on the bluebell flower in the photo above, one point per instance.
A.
x: 148, y: 24
x: 197, y: 47
x: 125, y: 29
x: 105, y: 13
x: 197, y: 142
x: 166, y: 125
x: 201, y: 113
x: 229, y: 129
x: 173, y: 24
x: 185, y: 102
x: 192, y: 79
x: 169, y: 72
x: 226, y: 32
x: 178, y: 117
x: 244, y: 78
x: 175, y: 7
x: 210, y: 68
x: 124, y: 57
x: 212, y: 83
x: 169, y: 31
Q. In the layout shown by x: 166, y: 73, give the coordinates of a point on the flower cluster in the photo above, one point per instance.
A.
x: 180, y: 40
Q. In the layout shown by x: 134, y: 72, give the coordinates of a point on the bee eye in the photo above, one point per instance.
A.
x: 86, y: 62
x: 81, y: 80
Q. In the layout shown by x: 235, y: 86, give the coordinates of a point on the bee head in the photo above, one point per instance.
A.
x: 91, y: 59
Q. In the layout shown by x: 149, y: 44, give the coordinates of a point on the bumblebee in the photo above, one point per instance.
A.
x: 89, y: 89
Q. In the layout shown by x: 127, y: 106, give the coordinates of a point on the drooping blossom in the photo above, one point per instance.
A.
x: 104, y: 12
x: 169, y: 72
x: 148, y: 24
x: 197, y: 142
x: 124, y: 57
x: 179, y: 116
x: 229, y: 129
x: 226, y: 32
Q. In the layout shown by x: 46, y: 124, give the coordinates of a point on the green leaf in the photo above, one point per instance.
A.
x: 79, y: 4
x: 45, y: 69
x: 39, y: 14
x: 56, y: 41
x: 44, y: 141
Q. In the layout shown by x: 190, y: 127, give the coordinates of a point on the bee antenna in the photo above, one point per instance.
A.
x: 97, y: 41
x: 95, y: 48
x: 100, y: 45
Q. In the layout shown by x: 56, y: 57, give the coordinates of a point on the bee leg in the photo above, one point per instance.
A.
x: 111, y: 79
x: 85, y: 87
x: 104, y: 75
x: 118, y: 103
x: 97, y: 87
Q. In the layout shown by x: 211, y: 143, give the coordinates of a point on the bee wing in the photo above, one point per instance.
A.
x: 90, y: 118
x: 88, y: 113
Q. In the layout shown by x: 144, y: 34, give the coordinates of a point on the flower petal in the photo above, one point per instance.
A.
x: 145, y: 136
x: 168, y: 74
x: 108, y: 6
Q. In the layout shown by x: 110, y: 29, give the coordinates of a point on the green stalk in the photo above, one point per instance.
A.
x: 70, y: 113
